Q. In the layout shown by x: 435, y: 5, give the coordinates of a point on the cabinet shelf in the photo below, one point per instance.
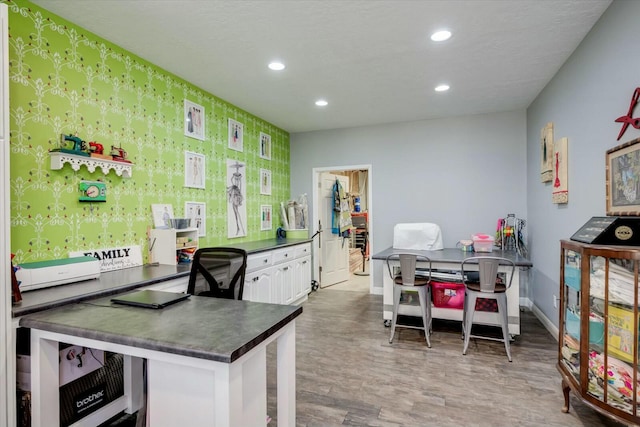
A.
x: 59, y: 158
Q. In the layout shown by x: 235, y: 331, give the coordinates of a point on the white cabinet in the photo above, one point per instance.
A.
x: 167, y: 243
x: 279, y: 276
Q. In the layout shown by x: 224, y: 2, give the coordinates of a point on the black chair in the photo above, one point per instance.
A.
x: 218, y: 272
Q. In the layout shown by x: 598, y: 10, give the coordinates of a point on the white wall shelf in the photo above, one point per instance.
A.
x: 58, y: 159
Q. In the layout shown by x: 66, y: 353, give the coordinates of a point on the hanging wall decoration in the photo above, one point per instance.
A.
x: 623, y: 179
x: 265, y: 146
x: 193, y: 120
x: 546, y: 153
x: 236, y: 198
x: 560, y: 174
x: 265, y: 182
x: 194, y: 170
x: 236, y: 130
x: 197, y: 211
x: 628, y: 120
x: 265, y: 217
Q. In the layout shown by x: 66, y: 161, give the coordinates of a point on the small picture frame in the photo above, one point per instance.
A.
x: 266, y: 217
x: 265, y: 146
x: 161, y: 215
x: 194, y: 170
x: 623, y: 179
x: 236, y: 133
x: 197, y: 211
x: 265, y: 182
x: 194, y: 120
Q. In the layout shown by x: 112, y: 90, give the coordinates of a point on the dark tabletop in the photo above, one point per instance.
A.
x: 455, y: 255
x: 206, y: 328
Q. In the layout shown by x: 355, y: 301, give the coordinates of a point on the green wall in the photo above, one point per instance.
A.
x: 66, y: 80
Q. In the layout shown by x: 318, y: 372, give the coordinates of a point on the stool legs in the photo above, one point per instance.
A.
x: 502, y: 308
x: 426, y: 312
x: 396, y: 302
x: 469, y: 310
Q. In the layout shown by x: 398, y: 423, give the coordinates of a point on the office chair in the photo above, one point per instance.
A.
x: 218, y: 272
x: 488, y: 286
x: 407, y: 280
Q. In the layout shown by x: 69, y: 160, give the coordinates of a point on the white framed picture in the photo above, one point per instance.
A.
x: 266, y: 222
x: 197, y: 211
x: 265, y: 181
x: 161, y: 215
x: 265, y: 146
x: 236, y: 197
x: 194, y: 170
x: 194, y: 120
x: 236, y: 132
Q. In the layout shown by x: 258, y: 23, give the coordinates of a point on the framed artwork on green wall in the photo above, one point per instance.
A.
x: 197, y: 211
x: 265, y: 182
x: 236, y: 131
x: 194, y: 170
x: 265, y: 146
x: 237, y: 198
x: 194, y: 120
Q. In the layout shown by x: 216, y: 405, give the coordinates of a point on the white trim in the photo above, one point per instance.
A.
x: 7, y: 358
x: 315, y: 181
x: 553, y: 329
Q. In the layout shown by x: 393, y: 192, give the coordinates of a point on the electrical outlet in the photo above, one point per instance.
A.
x: 555, y: 301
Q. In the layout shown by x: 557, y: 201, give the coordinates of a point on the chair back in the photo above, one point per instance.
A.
x: 218, y: 272
x: 408, y: 263
x: 487, y: 271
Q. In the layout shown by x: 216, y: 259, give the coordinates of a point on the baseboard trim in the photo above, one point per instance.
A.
x: 548, y: 324
x: 377, y: 290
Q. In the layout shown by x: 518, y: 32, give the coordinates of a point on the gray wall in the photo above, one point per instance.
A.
x: 590, y: 91
x: 460, y: 173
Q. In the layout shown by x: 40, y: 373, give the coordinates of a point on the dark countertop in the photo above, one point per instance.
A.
x: 119, y: 281
x: 455, y: 255
x: 206, y: 328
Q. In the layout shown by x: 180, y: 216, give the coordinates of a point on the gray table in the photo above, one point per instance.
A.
x: 449, y: 259
x: 206, y: 357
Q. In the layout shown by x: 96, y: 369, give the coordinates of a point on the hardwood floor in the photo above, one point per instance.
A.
x: 349, y: 374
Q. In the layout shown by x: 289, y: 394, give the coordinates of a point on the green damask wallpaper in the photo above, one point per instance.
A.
x: 65, y: 80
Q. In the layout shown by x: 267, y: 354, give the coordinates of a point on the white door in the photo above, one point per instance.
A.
x: 334, y: 259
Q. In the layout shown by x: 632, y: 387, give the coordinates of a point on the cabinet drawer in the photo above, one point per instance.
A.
x: 303, y: 250
x: 283, y: 255
x: 258, y: 261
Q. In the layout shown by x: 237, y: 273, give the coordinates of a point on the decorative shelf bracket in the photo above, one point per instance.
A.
x: 58, y: 159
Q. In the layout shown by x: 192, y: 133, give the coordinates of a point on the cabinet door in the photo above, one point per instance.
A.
x: 257, y: 286
x: 282, y: 283
x: 302, y: 277
x: 570, y: 288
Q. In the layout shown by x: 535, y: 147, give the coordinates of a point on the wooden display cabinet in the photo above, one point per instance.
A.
x: 598, y: 334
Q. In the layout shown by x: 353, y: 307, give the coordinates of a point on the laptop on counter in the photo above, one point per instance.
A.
x: 149, y: 298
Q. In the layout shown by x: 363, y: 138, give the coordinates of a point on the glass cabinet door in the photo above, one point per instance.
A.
x: 570, y: 348
x: 612, y: 298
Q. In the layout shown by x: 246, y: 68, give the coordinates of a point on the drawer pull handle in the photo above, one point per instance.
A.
x: 304, y: 262
x: 286, y: 255
x: 286, y: 268
x: 265, y: 261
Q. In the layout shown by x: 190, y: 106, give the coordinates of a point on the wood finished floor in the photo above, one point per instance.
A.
x: 349, y: 374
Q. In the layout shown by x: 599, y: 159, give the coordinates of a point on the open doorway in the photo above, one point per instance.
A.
x: 336, y: 260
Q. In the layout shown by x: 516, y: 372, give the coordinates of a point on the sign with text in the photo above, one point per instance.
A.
x: 114, y: 258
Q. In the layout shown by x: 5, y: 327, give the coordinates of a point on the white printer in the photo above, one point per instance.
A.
x: 43, y: 274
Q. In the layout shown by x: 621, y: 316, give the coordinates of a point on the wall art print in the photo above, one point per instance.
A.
x: 194, y: 121
x: 236, y: 132
x: 236, y: 198
x: 265, y: 146
x: 162, y: 213
x: 197, y: 211
x: 560, y: 193
x: 194, y: 170
x: 546, y: 153
x: 266, y: 214
x: 265, y: 182
x: 623, y: 179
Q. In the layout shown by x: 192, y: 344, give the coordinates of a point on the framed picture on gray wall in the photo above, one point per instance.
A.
x: 623, y: 179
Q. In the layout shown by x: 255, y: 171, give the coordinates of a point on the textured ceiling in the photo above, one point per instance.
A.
x: 371, y: 60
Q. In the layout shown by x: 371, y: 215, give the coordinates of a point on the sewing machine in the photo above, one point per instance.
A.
x: 79, y: 146
x: 119, y: 154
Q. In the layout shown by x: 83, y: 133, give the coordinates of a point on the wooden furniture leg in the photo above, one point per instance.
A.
x: 565, y: 391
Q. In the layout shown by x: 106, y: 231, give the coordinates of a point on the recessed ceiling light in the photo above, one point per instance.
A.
x: 440, y: 36
x: 442, y: 88
x: 321, y: 103
x: 276, y: 66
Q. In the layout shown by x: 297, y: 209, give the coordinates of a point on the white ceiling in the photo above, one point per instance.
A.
x: 371, y: 60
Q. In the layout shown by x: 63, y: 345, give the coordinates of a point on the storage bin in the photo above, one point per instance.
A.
x: 447, y: 295
x: 572, y: 277
x: 596, y: 328
x: 482, y: 242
